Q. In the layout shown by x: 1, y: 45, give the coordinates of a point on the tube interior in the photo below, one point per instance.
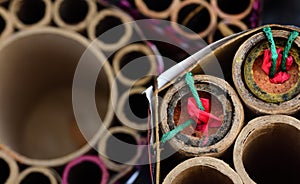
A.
x: 35, y: 177
x: 271, y: 155
x: 31, y: 11
x: 36, y: 77
x: 107, y: 24
x: 137, y: 109
x: 158, y: 5
x: 119, y: 144
x: 2, y: 24
x: 85, y: 172
x: 5, y: 171
x: 198, y: 22
x: 201, y: 174
x: 73, y: 11
x: 233, y: 6
x: 133, y: 60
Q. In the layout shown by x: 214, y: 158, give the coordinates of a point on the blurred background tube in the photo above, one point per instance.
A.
x: 74, y: 14
x: 31, y: 13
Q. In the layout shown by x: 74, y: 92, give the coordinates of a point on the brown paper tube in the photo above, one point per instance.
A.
x: 204, y: 170
x: 37, y: 67
x: 104, y: 21
x: 267, y: 150
x: 114, y: 149
x: 6, y: 26
x: 196, y: 15
x: 156, y: 9
x: 134, y: 64
x: 226, y: 28
x: 132, y: 109
x: 254, y: 86
x: 74, y: 14
x: 232, y: 9
x: 38, y: 175
x: 9, y: 169
x: 31, y: 13
x: 224, y: 104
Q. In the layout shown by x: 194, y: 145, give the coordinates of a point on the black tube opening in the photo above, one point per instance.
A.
x: 120, y: 147
x: 197, y: 22
x: 233, y: 6
x: 107, y: 24
x: 31, y: 11
x: 4, y: 171
x: 85, y: 172
x: 35, y: 177
x: 73, y: 11
x: 157, y: 5
x: 2, y: 24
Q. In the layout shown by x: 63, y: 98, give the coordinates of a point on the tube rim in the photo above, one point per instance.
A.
x: 80, y: 26
x: 224, y: 15
x: 91, y: 29
x: 8, y: 23
x: 209, y: 162
x: 14, y: 8
x: 211, y: 26
x: 222, y: 145
x: 50, y: 174
x: 252, y: 126
x: 13, y: 167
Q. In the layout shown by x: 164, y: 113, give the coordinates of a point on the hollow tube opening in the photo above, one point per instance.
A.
x: 198, y: 22
x: 85, y: 172
x: 107, y: 24
x: 233, y: 6
x: 115, y: 147
x: 73, y: 11
x: 271, y: 155
x: 5, y: 171
x: 31, y: 11
x: 35, y: 177
x: 158, y: 5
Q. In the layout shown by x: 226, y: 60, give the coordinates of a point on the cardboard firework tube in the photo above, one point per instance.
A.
x: 111, y: 149
x: 254, y: 87
x: 104, y: 21
x: 232, y: 9
x: 74, y: 15
x: 132, y: 109
x: 9, y: 169
x: 31, y: 13
x: 144, y: 60
x: 6, y: 25
x: 226, y: 28
x: 38, y: 175
x: 201, y: 18
x: 38, y: 126
x: 267, y: 150
x: 204, y: 169
x: 225, y: 104
x: 158, y: 10
x: 85, y: 169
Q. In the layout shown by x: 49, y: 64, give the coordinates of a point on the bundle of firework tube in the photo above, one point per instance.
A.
x: 188, y: 122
